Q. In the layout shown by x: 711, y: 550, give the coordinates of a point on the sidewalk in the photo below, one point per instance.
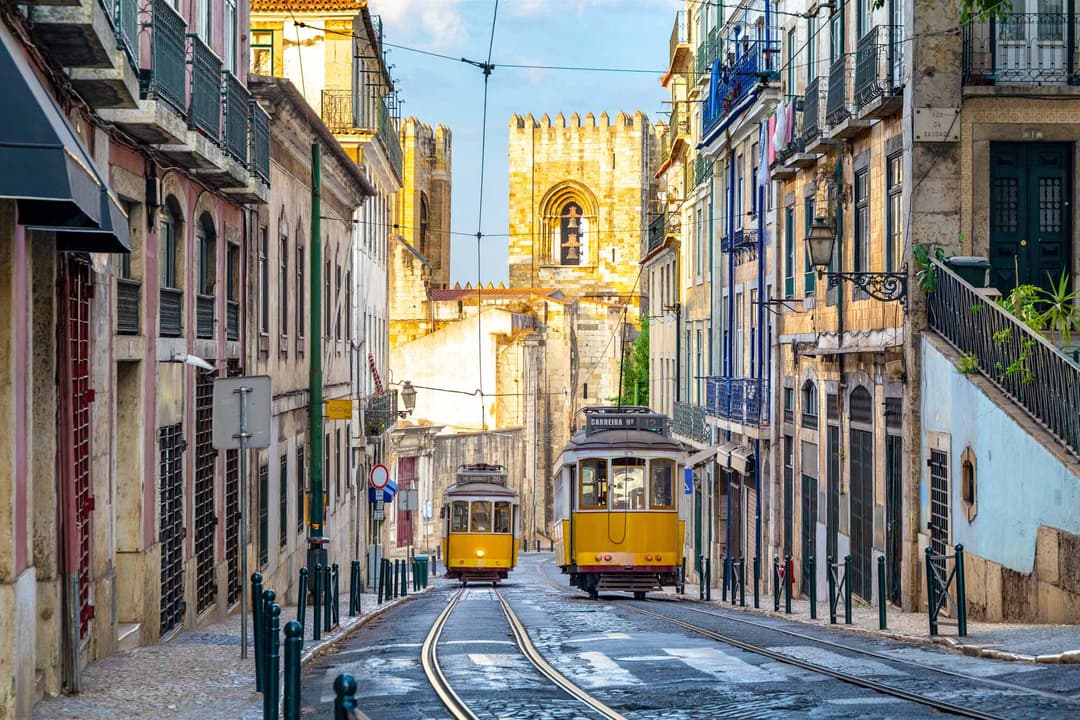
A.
x: 1000, y: 641
x: 197, y: 675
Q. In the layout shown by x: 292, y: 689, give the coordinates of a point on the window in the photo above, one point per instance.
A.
x: 262, y: 52
x: 894, y: 231
x: 861, y: 250
x: 480, y: 518
x: 202, y: 20
x: 264, y: 282
x: 283, y: 284
x: 169, y: 274
x: 301, y: 291
x: 425, y: 250
x: 207, y: 257
x: 459, y: 516
x: 789, y: 404
x: 337, y: 463
x: 836, y: 34
x: 348, y: 305
x: 811, y: 48
x: 789, y: 252
x: 809, y: 405
x: 327, y: 458
x: 337, y: 302
x: 594, y: 486
x: 739, y: 192
x: 502, y: 517
x: 699, y: 245
x: 572, y: 228
x: 264, y: 514
x: 628, y: 484
x: 753, y: 174
x: 326, y: 300
x: 699, y: 368
x: 809, y: 274
x: 283, y: 500
x: 862, y: 17
x: 230, y: 36
x: 232, y: 273
x: 791, y: 62
x: 301, y: 491
x: 661, y: 481
x: 967, y: 483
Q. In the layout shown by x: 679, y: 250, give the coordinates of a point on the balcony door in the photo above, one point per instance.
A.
x: 1031, y: 44
x: 1030, y: 197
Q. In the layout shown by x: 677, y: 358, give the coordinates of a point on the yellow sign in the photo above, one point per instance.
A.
x: 339, y: 409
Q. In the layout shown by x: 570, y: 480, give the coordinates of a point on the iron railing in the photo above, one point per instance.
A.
x: 756, y: 63
x: 260, y: 134
x: 703, y: 167
x: 232, y: 320
x: 689, y: 421
x: 127, y: 306
x: 1021, y: 48
x: 879, y: 61
x: 388, y: 133
x: 741, y: 400
x: 678, y: 34
x: 126, y: 20
x: 680, y: 119
x: 166, y: 77
x: 204, y: 316
x: 171, y: 312
x: 657, y: 230
x: 741, y: 239
x: 813, y: 111
x: 1019, y: 361
x: 381, y: 413
x: 204, y: 107
x: 837, y: 108
x: 337, y: 110
x: 707, y: 51
x: 237, y: 99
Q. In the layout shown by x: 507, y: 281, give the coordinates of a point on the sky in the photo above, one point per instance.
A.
x: 580, y: 33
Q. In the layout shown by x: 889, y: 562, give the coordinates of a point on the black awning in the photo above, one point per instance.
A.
x: 46, y: 169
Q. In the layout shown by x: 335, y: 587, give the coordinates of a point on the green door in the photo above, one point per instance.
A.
x: 1029, y: 213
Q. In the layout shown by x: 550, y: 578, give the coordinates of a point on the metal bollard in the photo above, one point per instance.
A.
x: 777, y: 580
x: 812, y: 569
x: 881, y: 591
x: 379, y: 582
x: 961, y: 594
x: 682, y: 590
x: 388, y: 578
x: 337, y: 596
x: 742, y: 581
x: 931, y: 591
x: 328, y: 598
x: 316, y: 605
x: 344, y: 697
x: 789, y: 567
x: 725, y: 579
x: 256, y: 624
x: 537, y: 546
x: 847, y: 589
x: 830, y: 570
x: 301, y: 598
x: 294, y: 648
x: 551, y: 546
x: 269, y: 598
x: 273, y: 663
x: 701, y: 577
x: 708, y: 578
x: 397, y: 577
x: 757, y: 579
x: 354, y: 588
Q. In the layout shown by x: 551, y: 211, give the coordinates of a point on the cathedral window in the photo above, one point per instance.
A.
x: 572, y: 228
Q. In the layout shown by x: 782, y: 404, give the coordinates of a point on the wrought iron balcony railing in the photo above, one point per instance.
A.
x: 657, y: 230
x: 678, y: 33
x: 171, y: 312
x: 232, y: 320
x: 381, y: 413
x: 388, y: 133
x: 166, y: 78
x: 837, y: 104
x: 689, y: 421
x: 126, y: 20
x: 814, y: 111
x: 703, y: 167
x: 1019, y: 361
x: 707, y: 51
x: 237, y: 100
x: 337, y: 110
x: 1021, y: 49
x: 757, y: 62
x: 260, y: 140
x: 741, y: 400
x: 204, y: 105
x: 204, y: 316
x: 879, y: 64
x: 127, y: 306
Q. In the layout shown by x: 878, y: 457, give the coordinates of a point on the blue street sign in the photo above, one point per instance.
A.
x: 386, y: 495
x: 688, y: 481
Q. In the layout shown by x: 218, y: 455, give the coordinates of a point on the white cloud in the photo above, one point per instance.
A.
x: 433, y: 25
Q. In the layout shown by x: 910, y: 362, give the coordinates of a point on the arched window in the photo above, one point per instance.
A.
x: 572, y: 238
x: 809, y: 404
x: 424, y: 249
x: 569, y: 216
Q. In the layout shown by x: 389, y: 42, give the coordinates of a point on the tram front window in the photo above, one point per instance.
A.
x: 594, y: 485
x: 502, y: 517
x: 481, y: 516
x: 660, y: 484
x: 628, y: 484
x: 460, y: 517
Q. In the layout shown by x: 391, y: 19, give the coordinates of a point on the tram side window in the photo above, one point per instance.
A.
x: 628, y: 484
x: 502, y: 517
x: 661, y: 478
x: 459, y: 521
x: 594, y: 484
x: 481, y: 516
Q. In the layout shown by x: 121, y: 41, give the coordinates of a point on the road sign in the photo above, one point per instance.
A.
x: 380, y: 513
x: 339, y: 409
x: 688, y: 481
x: 408, y: 500
x: 387, y: 496
x: 379, y: 476
x: 226, y: 411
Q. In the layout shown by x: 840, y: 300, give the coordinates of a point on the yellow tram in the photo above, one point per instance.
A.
x: 480, y: 518
x: 617, y: 517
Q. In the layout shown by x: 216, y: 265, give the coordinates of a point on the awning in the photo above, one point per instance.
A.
x: 700, y: 457
x: 742, y: 460
x: 47, y: 169
x: 723, y: 455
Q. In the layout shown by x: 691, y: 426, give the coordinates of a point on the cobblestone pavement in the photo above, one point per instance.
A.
x: 197, y: 675
x: 1002, y: 641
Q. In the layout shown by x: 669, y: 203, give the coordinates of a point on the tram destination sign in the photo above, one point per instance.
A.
x: 602, y: 422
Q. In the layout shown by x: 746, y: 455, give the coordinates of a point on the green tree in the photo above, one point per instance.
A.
x: 981, y: 9
x: 635, y: 370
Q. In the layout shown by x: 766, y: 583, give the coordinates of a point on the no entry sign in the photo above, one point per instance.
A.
x: 379, y: 476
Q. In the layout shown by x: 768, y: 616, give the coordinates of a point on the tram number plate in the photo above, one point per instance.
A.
x: 380, y: 512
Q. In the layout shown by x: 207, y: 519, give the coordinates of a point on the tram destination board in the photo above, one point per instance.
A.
x: 605, y: 421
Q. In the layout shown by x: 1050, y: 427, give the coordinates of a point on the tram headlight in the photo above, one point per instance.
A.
x: 479, y: 553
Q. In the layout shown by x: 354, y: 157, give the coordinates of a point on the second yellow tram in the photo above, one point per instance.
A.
x: 480, y: 525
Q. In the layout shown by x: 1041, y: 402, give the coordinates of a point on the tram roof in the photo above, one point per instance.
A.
x: 615, y: 439
x: 480, y: 488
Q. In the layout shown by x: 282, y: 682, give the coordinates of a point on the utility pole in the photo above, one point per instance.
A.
x: 317, y: 539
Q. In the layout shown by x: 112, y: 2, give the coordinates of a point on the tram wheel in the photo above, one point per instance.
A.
x: 639, y: 594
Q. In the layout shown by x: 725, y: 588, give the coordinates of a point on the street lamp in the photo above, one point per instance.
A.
x: 886, y: 286
x: 408, y: 396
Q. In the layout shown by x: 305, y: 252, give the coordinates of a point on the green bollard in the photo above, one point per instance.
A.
x: 847, y: 589
x: 757, y: 580
x: 777, y: 581
x: 269, y: 598
x: 724, y: 581
x: 337, y: 596
x: 256, y: 624
x: 328, y: 597
x: 273, y: 663
x: 379, y: 582
x: 931, y: 592
x: 961, y: 594
x: 354, y: 588
x: 832, y: 589
x: 404, y: 578
x: 788, y: 567
x: 701, y: 577
x: 742, y: 581
x: 301, y: 598
x: 344, y: 697
x: 388, y: 578
x: 813, y: 587
x: 881, y: 591
x: 316, y: 604
x: 397, y: 577
x: 708, y: 578
x: 294, y: 648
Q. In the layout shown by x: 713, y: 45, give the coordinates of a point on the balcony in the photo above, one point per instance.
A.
x: 839, y: 103
x: 689, y: 422
x: 879, y: 72
x: 127, y: 306
x: 97, y: 42
x: 657, y: 231
x: 708, y: 50
x: 742, y: 245
x: 171, y: 313
x: 678, y: 43
x: 204, y: 316
x: 237, y: 110
x: 340, y: 116
x: 703, y: 168
x: 814, y: 104
x: 743, y: 401
x: 204, y: 106
x: 232, y: 320
x: 380, y: 413
x: 1023, y: 49
x: 738, y: 83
